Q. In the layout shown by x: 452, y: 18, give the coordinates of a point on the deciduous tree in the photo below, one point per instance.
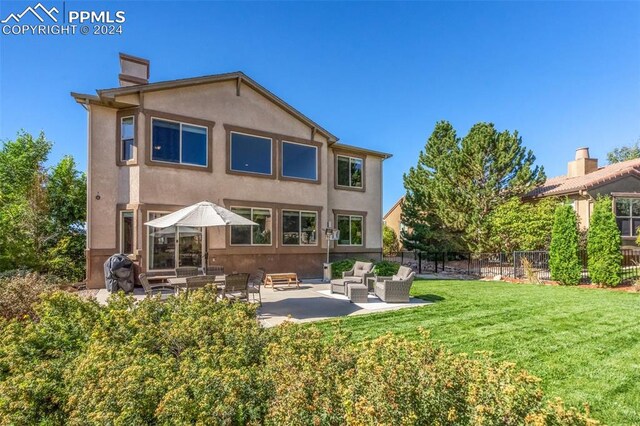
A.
x: 624, y: 153
x: 517, y: 225
x: 42, y: 211
x: 390, y: 243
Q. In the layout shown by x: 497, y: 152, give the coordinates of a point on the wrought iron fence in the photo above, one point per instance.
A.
x: 518, y: 264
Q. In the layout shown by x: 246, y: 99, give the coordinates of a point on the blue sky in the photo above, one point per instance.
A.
x: 378, y: 75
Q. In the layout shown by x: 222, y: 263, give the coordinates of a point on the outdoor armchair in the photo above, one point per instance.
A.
x: 358, y: 274
x: 395, y: 289
x: 163, y: 290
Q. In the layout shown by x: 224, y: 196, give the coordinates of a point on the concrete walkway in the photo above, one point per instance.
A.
x: 311, y: 302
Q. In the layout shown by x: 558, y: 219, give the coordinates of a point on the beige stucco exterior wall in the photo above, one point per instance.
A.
x: 143, y: 187
x: 368, y: 202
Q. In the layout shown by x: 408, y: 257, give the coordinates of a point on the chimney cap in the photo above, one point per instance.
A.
x: 582, y: 152
x: 133, y: 70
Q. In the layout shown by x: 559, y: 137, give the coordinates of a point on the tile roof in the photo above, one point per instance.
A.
x: 562, y: 185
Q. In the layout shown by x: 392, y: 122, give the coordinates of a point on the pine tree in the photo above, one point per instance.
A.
x: 457, y: 183
x: 564, y: 259
x: 423, y: 228
x: 603, y: 245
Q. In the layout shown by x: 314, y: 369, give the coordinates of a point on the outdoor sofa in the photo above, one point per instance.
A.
x: 395, y: 289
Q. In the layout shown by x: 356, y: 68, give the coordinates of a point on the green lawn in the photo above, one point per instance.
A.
x: 583, y: 343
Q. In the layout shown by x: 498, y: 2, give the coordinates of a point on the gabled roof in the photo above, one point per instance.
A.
x: 398, y: 203
x: 563, y: 185
x: 238, y: 76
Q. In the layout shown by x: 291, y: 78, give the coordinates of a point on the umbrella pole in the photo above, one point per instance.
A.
x: 205, y: 252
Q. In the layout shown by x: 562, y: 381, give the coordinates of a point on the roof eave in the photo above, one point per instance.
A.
x: 357, y: 149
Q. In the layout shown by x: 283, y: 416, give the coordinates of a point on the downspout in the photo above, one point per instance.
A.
x: 85, y: 105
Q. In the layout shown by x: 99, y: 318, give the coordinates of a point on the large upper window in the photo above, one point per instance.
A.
x: 126, y: 232
x: 299, y: 161
x: 251, y: 154
x: 180, y: 143
x: 299, y: 227
x: 628, y: 216
x: 350, y: 227
x: 349, y: 171
x: 127, y: 132
x: 251, y: 234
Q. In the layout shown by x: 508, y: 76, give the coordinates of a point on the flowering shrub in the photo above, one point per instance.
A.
x: 192, y: 360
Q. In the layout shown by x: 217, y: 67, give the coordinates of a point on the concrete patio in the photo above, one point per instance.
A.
x: 311, y: 302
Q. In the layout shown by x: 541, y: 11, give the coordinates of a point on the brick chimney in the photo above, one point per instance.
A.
x: 133, y: 70
x: 583, y: 164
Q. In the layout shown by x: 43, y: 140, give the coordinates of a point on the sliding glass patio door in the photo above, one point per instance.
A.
x: 174, y: 246
x: 189, y: 246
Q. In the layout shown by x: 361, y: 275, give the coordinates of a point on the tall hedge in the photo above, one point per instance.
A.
x: 564, y: 259
x: 603, y: 245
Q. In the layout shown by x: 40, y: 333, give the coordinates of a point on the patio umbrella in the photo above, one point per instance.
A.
x: 203, y: 214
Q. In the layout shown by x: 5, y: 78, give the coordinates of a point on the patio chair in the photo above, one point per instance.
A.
x: 236, y: 287
x: 255, y: 281
x: 395, y: 289
x: 200, y: 281
x: 215, y: 270
x: 186, y: 271
x: 358, y: 274
x: 164, y: 290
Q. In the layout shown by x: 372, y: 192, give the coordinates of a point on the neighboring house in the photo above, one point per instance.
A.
x: 584, y: 181
x: 154, y: 148
x: 393, y: 218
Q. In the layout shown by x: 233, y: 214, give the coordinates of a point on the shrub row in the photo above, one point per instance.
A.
x: 382, y: 268
x: 603, y: 246
x: 194, y: 361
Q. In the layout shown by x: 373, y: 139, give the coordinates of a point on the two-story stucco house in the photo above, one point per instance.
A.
x: 154, y: 148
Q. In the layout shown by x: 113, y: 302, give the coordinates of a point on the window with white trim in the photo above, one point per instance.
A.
x: 350, y: 227
x: 254, y: 235
x: 126, y: 232
x: 127, y: 138
x: 349, y: 171
x: 628, y: 216
x: 299, y: 228
x: 180, y: 143
x: 250, y: 153
x: 299, y: 161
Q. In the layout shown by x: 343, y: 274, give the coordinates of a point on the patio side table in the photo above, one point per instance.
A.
x: 357, y: 293
x: 371, y: 283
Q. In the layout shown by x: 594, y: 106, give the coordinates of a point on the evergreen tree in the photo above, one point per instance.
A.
x: 459, y: 182
x: 603, y: 245
x: 423, y: 228
x: 564, y: 258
